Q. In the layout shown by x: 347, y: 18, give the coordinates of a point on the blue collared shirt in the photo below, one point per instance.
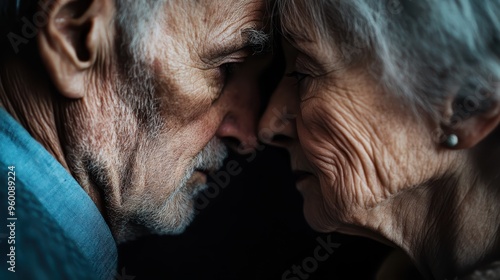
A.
x: 52, y: 230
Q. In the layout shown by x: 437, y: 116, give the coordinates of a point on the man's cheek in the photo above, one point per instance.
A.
x: 200, y: 131
x: 185, y: 98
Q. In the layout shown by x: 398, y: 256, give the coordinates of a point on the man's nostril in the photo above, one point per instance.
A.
x: 233, y: 143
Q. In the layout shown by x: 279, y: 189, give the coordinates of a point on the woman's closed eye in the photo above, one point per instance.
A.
x: 299, y: 77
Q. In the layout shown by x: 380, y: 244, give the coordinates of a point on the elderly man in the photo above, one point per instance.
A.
x: 113, y: 113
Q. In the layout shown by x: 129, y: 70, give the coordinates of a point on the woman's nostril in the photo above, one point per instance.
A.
x: 280, y: 139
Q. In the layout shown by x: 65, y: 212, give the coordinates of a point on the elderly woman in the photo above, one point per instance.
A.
x: 390, y: 111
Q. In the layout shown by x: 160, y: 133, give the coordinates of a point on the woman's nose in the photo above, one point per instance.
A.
x: 277, y: 125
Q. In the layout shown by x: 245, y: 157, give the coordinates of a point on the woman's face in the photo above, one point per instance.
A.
x: 353, y: 146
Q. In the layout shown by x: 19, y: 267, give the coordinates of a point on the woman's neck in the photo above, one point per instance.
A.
x: 455, y: 221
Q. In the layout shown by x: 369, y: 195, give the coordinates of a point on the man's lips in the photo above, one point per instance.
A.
x: 206, y: 171
x: 199, y: 176
x: 203, y: 173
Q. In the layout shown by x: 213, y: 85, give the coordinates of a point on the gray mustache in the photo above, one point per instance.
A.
x: 212, y: 157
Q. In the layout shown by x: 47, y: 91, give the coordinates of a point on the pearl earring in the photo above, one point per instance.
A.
x: 451, y: 140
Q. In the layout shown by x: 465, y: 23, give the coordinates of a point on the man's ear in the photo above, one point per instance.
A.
x: 473, y: 117
x: 75, y: 31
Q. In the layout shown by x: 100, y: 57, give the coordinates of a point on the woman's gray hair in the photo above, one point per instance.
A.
x: 421, y: 49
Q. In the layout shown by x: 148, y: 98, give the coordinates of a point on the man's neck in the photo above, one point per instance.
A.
x: 27, y: 99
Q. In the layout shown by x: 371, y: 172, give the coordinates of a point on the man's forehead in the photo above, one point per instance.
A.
x: 219, y: 15
x: 225, y: 17
x: 222, y: 9
x: 216, y: 27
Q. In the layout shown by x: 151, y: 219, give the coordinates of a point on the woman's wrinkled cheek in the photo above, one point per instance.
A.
x: 342, y: 164
x: 325, y: 202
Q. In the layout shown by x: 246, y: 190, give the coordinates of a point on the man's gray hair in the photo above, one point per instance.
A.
x: 139, y: 23
x: 420, y: 49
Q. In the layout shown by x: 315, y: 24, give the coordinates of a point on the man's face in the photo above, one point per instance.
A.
x: 145, y: 142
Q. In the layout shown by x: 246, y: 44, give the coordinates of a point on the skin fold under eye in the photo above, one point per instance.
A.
x: 225, y: 73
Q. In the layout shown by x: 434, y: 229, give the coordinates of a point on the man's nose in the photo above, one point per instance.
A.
x: 241, y: 101
x: 237, y: 130
x: 277, y: 126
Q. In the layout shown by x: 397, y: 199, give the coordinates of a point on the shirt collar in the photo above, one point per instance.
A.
x: 63, y: 198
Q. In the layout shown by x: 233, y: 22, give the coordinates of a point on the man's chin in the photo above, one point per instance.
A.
x: 136, y: 229
x: 152, y: 211
x: 170, y: 217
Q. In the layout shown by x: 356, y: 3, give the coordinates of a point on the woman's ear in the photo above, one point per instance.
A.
x: 473, y: 117
x: 75, y: 31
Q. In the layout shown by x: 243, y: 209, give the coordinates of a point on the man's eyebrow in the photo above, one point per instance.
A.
x: 258, y: 40
x: 253, y: 40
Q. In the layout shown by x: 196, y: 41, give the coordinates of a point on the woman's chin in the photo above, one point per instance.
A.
x: 321, y: 218
x: 314, y: 211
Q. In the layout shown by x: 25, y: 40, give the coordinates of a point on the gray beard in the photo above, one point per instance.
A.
x: 173, y: 214
x: 145, y: 213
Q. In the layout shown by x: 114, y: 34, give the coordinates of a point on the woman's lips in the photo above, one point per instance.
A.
x: 300, y: 175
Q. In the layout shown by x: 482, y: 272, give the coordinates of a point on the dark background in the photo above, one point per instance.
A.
x: 254, y: 229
